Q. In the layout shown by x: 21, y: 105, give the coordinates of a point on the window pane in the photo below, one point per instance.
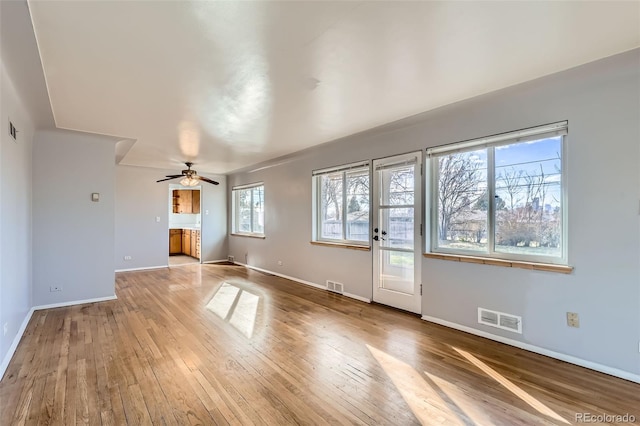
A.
x: 462, y: 207
x: 358, y: 205
x: 331, y: 206
x: 258, y: 209
x: 528, y: 197
x: 244, y: 210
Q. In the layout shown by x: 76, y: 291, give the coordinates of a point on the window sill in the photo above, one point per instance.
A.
x: 548, y: 267
x: 261, y: 237
x: 341, y: 245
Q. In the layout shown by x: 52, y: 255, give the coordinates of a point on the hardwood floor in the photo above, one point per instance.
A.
x: 216, y: 344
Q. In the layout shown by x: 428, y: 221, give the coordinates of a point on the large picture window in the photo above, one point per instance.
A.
x: 501, y: 196
x: 248, y: 210
x: 342, y: 204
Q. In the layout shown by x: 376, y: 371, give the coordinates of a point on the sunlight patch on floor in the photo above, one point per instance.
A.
x: 520, y: 393
x: 425, y: 401
x: 236, y: 306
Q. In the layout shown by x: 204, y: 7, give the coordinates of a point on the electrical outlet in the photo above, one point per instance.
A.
x: 54, y: 288
x: 573, y: 320
x: 279, y: 262
x: 6, y: 328
x: 127, y: 258
x: 157, y: 219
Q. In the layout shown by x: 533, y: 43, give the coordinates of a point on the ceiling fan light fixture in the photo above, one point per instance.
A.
x: 189, y: 181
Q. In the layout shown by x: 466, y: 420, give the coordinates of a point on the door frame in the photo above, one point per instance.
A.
x: 396, y: 299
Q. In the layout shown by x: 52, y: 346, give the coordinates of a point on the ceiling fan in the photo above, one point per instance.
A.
x: 190, y: 177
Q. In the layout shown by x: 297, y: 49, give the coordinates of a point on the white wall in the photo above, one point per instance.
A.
x: 602, y: 103
x: 140, y: 199
x: 15, y: 215
x: 213, y: 210
x: 73, y: 239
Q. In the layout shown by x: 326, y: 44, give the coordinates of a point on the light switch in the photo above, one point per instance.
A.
x: 158, y: 219
x: 95, y: 197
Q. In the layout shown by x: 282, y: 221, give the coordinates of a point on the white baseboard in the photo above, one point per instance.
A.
x: 309, y: 283
x: 14, y: 344
x: 536, y: 349
x: 27, y: 318
x: 142, y: 269
x: 74, y: 302
x: 216, y: 261
x: 355, y: 296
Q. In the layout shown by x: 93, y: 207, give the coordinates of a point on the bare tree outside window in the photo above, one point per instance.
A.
x: 461, y: 185
x: 522, y: 206
x: 343, y: 205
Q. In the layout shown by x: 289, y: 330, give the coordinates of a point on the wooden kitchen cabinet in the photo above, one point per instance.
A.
x: 186, y: 201
x: 183, y: 203
x: 193, y: 242
x: 186, y: 242
x: 175, y: 241
x: 195, y: 201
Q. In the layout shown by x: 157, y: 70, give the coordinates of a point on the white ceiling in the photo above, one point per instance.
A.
x: 231, y: 84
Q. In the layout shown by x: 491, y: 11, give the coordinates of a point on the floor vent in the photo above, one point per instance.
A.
x: 231, y: 259
x: 335, y: 287
x: 500, y: 320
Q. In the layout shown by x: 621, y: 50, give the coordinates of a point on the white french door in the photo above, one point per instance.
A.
x: 396, y: 231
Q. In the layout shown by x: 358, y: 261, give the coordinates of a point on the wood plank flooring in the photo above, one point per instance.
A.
x: 268, y: 351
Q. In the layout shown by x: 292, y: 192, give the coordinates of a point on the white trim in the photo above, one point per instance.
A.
x: 74, y: 302
x: 247, y: 186
x: 309, y: 283
x: 355, y: 296
x: 14, y: 344
x: 142, y: 269
x: 532, y: 133
x: 216, y: 261
x: 536, y: 349
x: 343, y: 168
x: 27, y: 318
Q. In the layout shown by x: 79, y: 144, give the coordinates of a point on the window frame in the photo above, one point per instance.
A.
x: 316, y: 178
x: 235, y: 199
x: 489, y: 143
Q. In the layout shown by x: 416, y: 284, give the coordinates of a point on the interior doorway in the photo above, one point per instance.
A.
x: 185, y: 225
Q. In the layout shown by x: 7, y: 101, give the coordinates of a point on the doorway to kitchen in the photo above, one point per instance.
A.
x: 184, y: 225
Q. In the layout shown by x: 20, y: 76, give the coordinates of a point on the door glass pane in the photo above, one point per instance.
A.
x: 397, y: 227
x: 396, y: 271
x: 331, y: 202
x: 463, y: 200
x: 528, y: 197
x: 397, y: 185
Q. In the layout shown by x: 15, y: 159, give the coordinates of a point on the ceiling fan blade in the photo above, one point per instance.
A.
x: 169, y: 178
x: 206, y: 179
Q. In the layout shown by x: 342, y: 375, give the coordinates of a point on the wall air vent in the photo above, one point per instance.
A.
x: 334, y: 286
x: 500, y: 320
